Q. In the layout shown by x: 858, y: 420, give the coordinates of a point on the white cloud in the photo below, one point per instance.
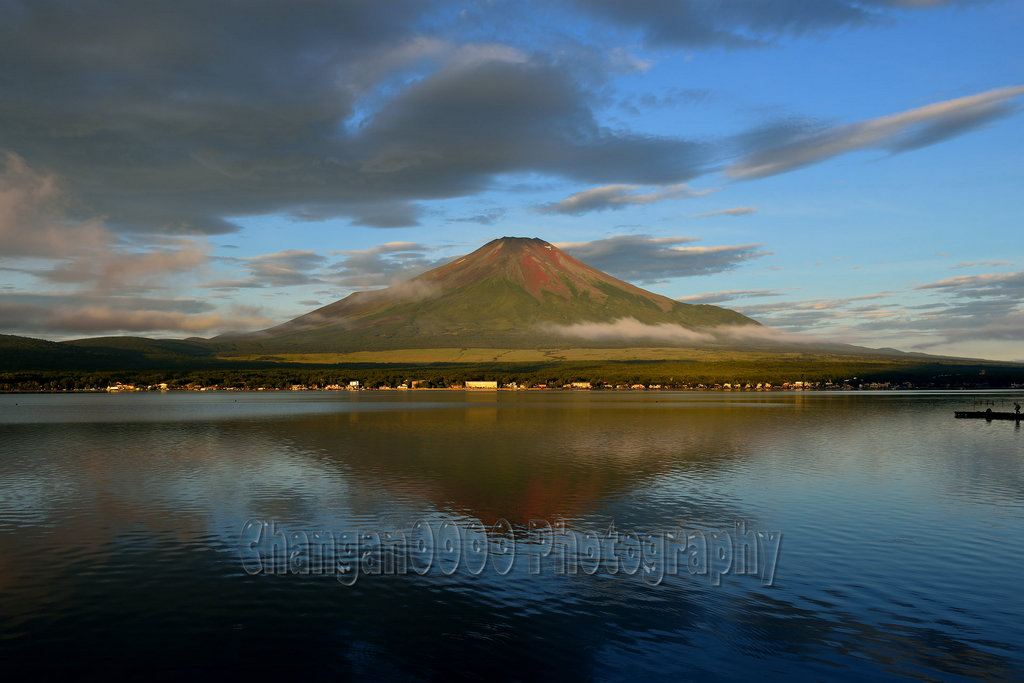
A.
x: 630, y: 328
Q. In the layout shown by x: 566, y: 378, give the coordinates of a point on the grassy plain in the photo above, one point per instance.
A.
x: 27, y: 364
x: 484, y: 355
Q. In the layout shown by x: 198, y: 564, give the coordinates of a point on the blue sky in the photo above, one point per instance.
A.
x: 839, y: 169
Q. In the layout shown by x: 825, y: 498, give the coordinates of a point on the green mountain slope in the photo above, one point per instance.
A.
x: 510, y: 293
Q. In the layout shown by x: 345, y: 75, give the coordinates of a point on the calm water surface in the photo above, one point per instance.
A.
x: 125, y: 549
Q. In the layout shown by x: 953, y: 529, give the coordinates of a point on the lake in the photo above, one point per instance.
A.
x: 511, y: 535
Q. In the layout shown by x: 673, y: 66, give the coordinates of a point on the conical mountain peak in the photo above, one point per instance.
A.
x: 539, y: 267
x: 513, y: 292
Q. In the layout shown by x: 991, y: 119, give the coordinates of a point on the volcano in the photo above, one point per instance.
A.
x: 513, y: 292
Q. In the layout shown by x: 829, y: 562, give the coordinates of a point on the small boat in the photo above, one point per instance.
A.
x: 988, y: 415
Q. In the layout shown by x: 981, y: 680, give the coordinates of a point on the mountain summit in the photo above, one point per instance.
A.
x: 513, y: 292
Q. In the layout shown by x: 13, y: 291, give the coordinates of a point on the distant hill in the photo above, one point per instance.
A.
x: 98, y: 353
x: 512, y: 292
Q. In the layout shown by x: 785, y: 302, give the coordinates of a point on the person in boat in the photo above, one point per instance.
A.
x: 1016, y: 408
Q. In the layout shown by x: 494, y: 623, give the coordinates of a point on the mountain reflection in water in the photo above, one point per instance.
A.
x: 120, y: 519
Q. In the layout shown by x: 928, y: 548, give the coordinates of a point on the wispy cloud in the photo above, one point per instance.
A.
x: 123, y: 269
x: 787, y: 148
x: 738, y: 211
x: 645, y: 259
x: 379, y: 266
x: 670, y: 97
x: 384, y: 264
x: 977, y: 264
x: 619, y: 197
x: 32, y: 218
x: 391, y: 214
x: 78, y: 313
x: 728, y: 295
x: 486, y: 218
x: 851, y: 320
x: 988, y: 285
x: 987, y: 308
x: 289, y: 268
x: 744, y: 23
x: 1009, y: 327
x: 34, y: 224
